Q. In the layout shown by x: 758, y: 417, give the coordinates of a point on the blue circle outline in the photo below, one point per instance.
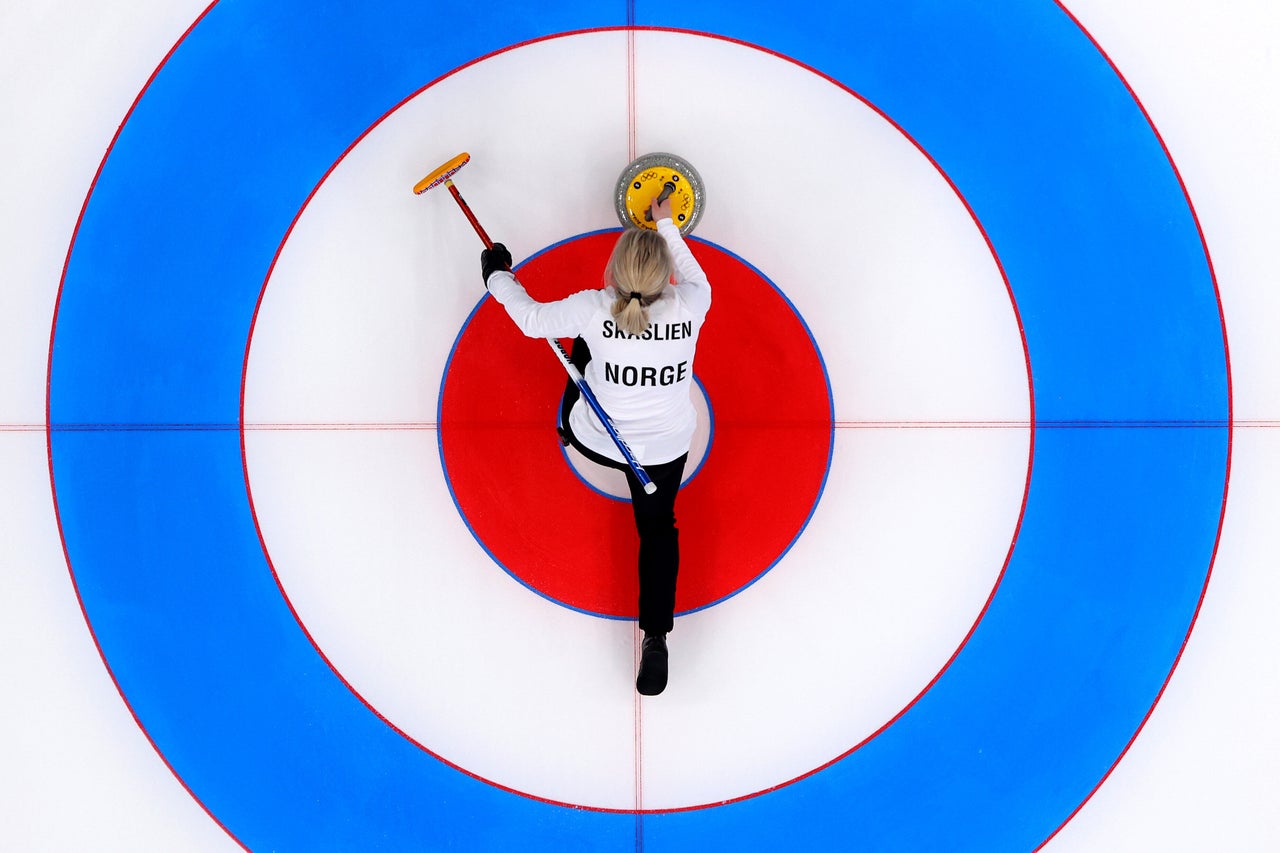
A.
x: 826, y: 378
x: 1132, y: 431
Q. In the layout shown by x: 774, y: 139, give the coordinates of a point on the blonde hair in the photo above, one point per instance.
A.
x: 640, y: 264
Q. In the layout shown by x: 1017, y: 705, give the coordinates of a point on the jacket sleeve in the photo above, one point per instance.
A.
x: 564, y: 318
x: 694, y: 288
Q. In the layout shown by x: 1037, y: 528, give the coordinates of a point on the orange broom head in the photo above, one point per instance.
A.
x: 442, y: 174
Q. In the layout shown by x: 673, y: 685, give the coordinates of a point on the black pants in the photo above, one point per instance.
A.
x: 659, y: 558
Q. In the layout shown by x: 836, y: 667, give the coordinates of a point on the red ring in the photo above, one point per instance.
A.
x: 763, y: 475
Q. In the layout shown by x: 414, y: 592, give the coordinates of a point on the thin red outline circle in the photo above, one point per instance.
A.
x: 1031, y: 426
x: 49, y: 428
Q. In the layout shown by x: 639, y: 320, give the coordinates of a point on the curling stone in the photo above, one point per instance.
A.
x: 659, y: 176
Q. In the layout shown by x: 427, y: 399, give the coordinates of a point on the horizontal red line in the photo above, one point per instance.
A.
x: 429, y: 426
x: 1046, y: 424
x: 224, y: 427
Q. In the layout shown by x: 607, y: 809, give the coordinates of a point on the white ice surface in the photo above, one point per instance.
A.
x: 1205, y: 773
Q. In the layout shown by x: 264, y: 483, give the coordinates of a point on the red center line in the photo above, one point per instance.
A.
x: 408, y: 426
x: 638, y: 711
x: 631, y: 95
x: 639, y: 743
x: 432, y: 426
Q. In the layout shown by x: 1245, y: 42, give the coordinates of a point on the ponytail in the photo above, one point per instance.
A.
x: 638, y: 270
x: 633, y: 316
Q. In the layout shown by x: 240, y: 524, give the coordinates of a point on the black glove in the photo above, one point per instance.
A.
x: 494, y: 260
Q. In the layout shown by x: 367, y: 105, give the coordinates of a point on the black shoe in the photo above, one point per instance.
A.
x: 652, y: 679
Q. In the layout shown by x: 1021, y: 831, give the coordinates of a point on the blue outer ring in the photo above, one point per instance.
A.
x: 1121, y: 319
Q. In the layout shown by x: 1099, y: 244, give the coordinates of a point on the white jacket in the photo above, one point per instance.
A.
x: 644, y: 383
